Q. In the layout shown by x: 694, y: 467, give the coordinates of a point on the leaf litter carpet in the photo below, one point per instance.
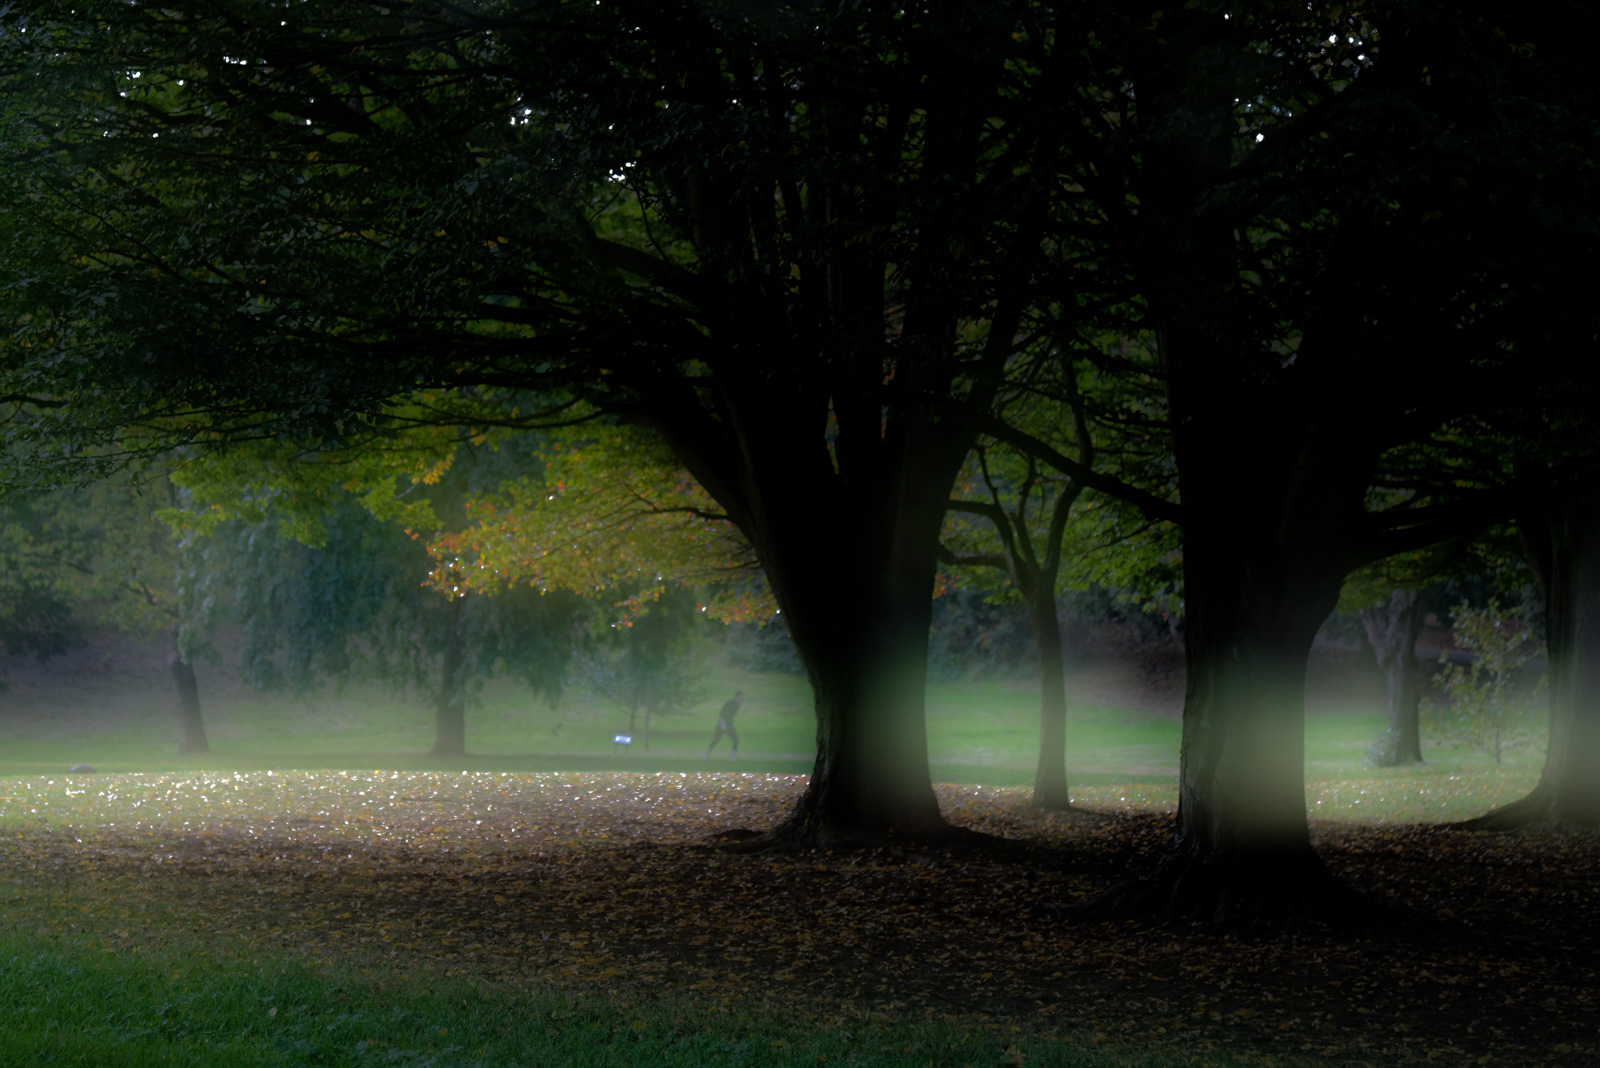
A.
x: 606, y: 883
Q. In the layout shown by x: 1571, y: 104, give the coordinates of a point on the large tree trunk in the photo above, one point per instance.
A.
x: 191, y: 728
x: 869, y: 677
x: 450, y: 707
x: 858, y: 600
x: 1243, y: 848
x: 1267, y: 545
x: 1564, y: 549
x: 1273, y: 483
x: 1392, y: 628
x: 1050, y: 777
x: 1243, y: 845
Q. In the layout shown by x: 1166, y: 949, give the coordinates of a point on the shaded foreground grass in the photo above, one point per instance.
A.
x: 64, y: 1001
x: 389, y: 905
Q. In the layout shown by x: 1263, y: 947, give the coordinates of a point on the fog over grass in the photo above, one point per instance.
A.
x: 110, y: 705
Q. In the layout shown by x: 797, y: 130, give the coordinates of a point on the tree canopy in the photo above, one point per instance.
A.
x: 817, y: 252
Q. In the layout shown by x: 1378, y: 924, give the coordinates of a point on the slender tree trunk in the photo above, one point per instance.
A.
x: 1033, y: 574
x: 450, y: 708
x: 1564, y: 549
x: 1392, y: 628
x: 1050, y: 777
x: 191, y: 728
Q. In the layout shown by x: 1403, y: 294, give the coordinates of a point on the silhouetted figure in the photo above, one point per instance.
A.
x: 725, y: 726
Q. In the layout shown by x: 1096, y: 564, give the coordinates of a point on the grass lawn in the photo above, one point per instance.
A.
x: 978, y: 733
x: 64, y: 1000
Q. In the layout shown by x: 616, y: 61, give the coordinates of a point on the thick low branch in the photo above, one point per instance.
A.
x: 955, y: 559
x: 1463, y: 518
x: 673, y: 279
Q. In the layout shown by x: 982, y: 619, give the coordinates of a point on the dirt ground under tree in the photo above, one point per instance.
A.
x: 613, y: 883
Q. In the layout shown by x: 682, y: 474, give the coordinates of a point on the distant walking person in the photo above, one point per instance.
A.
x: 725, y: 726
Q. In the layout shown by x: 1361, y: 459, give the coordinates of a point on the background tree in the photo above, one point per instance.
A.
x: 603, y: 507
x: 329, y: 584
x: 1485, y: 709
x: 1392, y: 627
x: 1393, y: 596
x: 1562, y: 539
x: 101, y: 557
x: 650, y: 661
x: 1028, y: 508
x: 36, y: 616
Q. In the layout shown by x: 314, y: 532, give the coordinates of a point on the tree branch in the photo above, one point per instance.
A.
x: 991, y: 512
x: 946, y: 556
x: 37, y: 402
x: 1152, y: 506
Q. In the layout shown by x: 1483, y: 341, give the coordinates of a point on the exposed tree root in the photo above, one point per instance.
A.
x: 1538, y: 811
x: 1073, y: 813
x: 796, y: 834
x: 928, y: 845
x: 736, y: 834
x: 1533, y: 810
x: 1239, y: 893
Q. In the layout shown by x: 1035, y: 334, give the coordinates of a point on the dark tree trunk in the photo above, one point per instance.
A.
x: 869, y: 680
x: 1267, y: 545
x: 1564, y: 549
x: 833, y: 452
x: 450, y: 707
x: 1255, y: 593
x: 859, y: 604
x: 1392, y: 628
x: 1273, y: 483
x: 1243, y: 845
x: 1050, y: 777
x: 191, y: 728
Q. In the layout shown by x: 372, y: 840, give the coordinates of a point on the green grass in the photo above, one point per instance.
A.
x: 65, y: 1000
x: 366, y: 727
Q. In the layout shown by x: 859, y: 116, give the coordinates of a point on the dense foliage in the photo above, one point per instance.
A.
x: 1488, y: 706
x: 821, y: 254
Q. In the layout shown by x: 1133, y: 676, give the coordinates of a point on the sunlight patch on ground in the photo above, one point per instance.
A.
x: 420, y: 810
x: 437, y: 810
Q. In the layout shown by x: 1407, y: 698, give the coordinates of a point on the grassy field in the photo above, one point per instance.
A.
x: 196, y: 1002
x: 978, y: 733
x: 318, y: 891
